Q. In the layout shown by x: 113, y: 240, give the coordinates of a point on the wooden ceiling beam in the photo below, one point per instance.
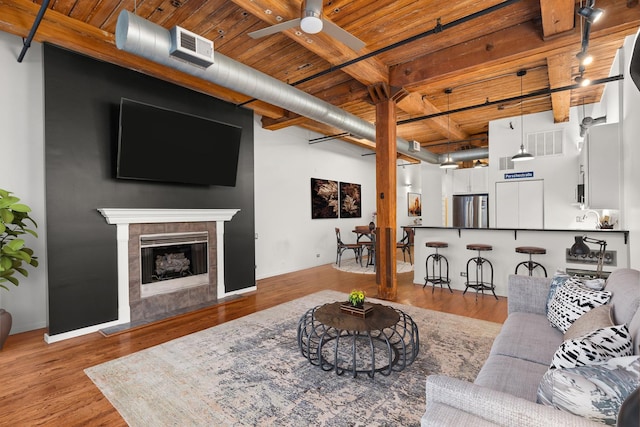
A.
x: 513, y: 44
x: 17, y: 17
x: 558, y: 16
x: 559, y: 69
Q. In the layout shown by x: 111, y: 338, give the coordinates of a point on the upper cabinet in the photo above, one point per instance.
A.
x: 470, y: 180
x: 603, y: 187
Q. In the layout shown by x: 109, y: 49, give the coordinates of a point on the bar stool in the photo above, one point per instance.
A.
x: 479, y: 284
x: 531, y: 250
x: 439, y: 260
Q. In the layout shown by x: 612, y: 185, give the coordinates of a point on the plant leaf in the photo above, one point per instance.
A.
x: 16, y: 244
x: 7, y: 201
x: 19, y: 207
x: 6, y: 215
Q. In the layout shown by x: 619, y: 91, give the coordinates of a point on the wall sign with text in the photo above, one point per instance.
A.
x: 518, y: 175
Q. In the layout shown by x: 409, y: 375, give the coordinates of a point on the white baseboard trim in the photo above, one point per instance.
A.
x: 50, y: 339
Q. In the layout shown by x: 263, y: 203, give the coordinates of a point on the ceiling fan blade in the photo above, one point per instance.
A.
x: 599, y: 120
x: 341, y: 35
x: 274, y: 29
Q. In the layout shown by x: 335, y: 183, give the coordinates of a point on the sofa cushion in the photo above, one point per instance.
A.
x: 441, y: 414
x: 527, y: 336
x: 571, y: 301
x: 597, y: 346
x: 511, y: 375
x: 595, y: 392
x: 598, y: 318
x: 624, y: 285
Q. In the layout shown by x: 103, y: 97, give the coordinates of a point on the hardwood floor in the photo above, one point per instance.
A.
x: 44, y: 384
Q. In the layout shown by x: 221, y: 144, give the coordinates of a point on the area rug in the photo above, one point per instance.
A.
x: 250, y: 372
x: 351, y: 266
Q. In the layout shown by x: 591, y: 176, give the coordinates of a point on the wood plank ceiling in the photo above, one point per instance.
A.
x: 473, y: 47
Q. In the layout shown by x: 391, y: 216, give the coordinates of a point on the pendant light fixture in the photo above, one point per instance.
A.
x: 449, y: 163
x: 522, y: 155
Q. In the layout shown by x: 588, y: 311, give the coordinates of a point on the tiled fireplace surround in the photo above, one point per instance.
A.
x: 159, y: 306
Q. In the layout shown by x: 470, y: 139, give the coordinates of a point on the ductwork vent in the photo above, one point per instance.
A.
x: 506, y: 163
x: 546, y: 143
x: 191, y: 48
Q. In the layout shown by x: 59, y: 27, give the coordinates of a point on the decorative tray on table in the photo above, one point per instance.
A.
x: 360, y: 311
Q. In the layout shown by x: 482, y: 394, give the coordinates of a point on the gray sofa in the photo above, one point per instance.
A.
x: 504, y: 393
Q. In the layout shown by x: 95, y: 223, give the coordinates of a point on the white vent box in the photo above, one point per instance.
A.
x: 191, y: 47
x: 414, y: 146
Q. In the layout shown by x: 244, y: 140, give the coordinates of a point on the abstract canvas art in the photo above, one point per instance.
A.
x: 324, y: 198
x: 350, y: 203
x: 415, y: 204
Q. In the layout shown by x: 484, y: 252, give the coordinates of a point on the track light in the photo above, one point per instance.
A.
x: 590, y: 14
x: 583, y: 81
x: 584, y: 58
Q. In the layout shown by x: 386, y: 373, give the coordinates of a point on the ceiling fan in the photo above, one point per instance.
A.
x: 312, y: 22
x: 587, y: 122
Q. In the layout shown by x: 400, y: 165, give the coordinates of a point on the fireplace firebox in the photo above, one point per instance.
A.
x: 171, y: 262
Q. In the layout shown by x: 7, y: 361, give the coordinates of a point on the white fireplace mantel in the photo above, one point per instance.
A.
x: 145, y: 216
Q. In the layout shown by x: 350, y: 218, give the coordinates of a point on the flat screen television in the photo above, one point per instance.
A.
x: 158, y: 144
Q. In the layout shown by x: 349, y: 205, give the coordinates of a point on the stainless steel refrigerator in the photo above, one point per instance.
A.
x: 471, y: 211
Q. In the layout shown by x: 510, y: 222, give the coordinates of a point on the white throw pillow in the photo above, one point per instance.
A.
x: 571, y: 301
x: 597, y: 346
x: 595, y: 392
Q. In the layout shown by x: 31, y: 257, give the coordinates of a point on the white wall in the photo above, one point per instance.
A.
x: 22, y: 171
x: 288, y: 239
x: 631, y: 155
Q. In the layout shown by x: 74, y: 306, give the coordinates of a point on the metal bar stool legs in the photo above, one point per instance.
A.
x: 477, y: 281
x: 531, y: 265
x: 434, y: 260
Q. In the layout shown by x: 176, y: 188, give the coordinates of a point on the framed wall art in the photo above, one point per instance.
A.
x: 325, y: 201
x: 350, y: 202
x: 414, y: 204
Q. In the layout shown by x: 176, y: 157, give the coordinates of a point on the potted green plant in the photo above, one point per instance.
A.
x: 356, y: 298
x: 13, y: 250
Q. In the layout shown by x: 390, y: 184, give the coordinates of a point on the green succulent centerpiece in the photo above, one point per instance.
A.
x: 14, y: 254
x: 356, y: 298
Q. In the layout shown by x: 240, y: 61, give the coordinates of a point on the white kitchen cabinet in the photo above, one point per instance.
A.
x: 520, y: 204
x: 604, y: 167
x: 470, y: 181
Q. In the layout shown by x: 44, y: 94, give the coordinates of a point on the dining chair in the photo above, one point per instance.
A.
x: 406, y: 243
x: 366, y: 238
x: 342, y: 247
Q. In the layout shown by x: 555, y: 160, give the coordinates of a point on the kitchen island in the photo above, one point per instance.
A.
x: 504, y: 257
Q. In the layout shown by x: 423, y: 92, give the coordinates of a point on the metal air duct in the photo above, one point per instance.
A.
x: 153, y: 42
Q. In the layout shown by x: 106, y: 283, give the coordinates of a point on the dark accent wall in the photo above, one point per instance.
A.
x: 82, y: 98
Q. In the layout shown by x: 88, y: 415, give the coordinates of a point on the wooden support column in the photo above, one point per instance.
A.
x: 386, y: 197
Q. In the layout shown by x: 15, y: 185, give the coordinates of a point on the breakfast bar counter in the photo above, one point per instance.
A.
x: 504, y: 257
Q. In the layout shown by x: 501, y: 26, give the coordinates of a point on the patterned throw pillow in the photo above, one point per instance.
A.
x: 571, y: 301
x: 558, y: 280
x: 595, y: 392
x: 597, y: 346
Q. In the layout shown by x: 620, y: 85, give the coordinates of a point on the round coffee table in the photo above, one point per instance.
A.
x: 385, y: 341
